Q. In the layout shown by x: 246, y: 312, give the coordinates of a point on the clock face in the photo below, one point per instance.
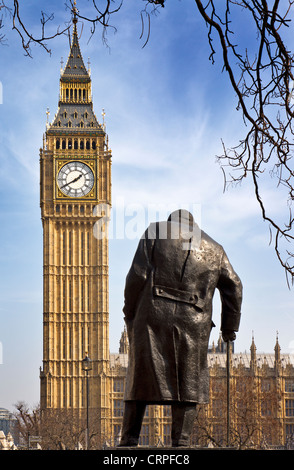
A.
x: 75, y: 179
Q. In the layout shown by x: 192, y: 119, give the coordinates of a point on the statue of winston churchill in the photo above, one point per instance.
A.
x: 168, y: 314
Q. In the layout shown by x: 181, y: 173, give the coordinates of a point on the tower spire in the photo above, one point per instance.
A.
x: 253, y: 353
x: 75, y: 99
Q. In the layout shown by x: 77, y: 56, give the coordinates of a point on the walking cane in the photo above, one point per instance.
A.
x: 228, y: 391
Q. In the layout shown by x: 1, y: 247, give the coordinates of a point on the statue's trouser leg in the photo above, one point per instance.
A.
x: 183, y: 416
x: 132, y: 422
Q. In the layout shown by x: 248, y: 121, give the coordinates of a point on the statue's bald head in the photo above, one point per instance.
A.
x: 181, y: 216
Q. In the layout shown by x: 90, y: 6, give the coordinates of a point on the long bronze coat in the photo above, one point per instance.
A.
x: 168, y: 313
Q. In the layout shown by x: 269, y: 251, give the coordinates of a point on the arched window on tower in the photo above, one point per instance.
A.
x: 88, y: 144
x: 76, y: 144
x: 57, y: 144
x: 70, y: 295
x: 81, y: 144
x: 82, y: 295
x: 93, y: 144
x: 64, y: 295
x: 63, y: 144
x: 69, y: 140
x: 64, y: 247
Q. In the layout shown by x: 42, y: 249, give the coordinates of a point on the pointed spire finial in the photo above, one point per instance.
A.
x: 47, y: 118
x: 75, y: 11
x: 103, y: 117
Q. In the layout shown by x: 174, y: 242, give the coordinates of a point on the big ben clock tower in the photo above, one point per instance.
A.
x: 75, y: 170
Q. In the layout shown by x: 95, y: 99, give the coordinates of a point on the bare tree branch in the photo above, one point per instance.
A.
x: 263, y: 83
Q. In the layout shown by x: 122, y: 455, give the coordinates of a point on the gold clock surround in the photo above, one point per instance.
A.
x: 91, y: 163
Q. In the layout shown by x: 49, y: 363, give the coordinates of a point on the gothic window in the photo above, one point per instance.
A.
x: 88, y: 145
x: 289, y: 385
x: 70, y: 394
x: 69, y: 125
x: 64, y: 341
x: 64, y: 295
x: 217, y: 408
x: 289, y: 405
x: 57, y: 208
x: 88, y: 338
x: 57, y: 144
x: 88, y: 248
x: 118, y: 407
x: 86, y: 115
x: 75, y: 115
x: 289, y: 430
x: 116, y: 430
x: 82, y: 245
x: 80, y: 94
x: 82, y: 144
x: 144, y: 436
x: 65, y: 114
x: 63, y: 144
x: 266, y: 407
x: 69, y: 140
x: 93, y: 144
x: 69, y: 243
x: 84, y: 95
x: 64, y: 247
x: 76, y: 94
x: 70, y: 296
x: 118, y: 386
x: 166, y: 410
x: 81, y: 124
x: 76, y: 144
x: 83, y: 394
x: 265, y: 385
x: 88, y: 296
x: 70, y: 341
x: 82, y: 340
x: 82, y: 296
x: 166, y: 434
x: 64, y: 393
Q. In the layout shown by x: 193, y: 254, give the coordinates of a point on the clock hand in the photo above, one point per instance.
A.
x: 73, y: 181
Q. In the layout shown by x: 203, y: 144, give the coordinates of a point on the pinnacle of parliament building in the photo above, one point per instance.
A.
x: 75, y: 172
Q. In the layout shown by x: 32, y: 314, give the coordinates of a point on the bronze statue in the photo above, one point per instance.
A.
x: 168, y: 314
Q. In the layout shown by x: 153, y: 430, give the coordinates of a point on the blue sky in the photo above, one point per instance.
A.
x: 167, y: 109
